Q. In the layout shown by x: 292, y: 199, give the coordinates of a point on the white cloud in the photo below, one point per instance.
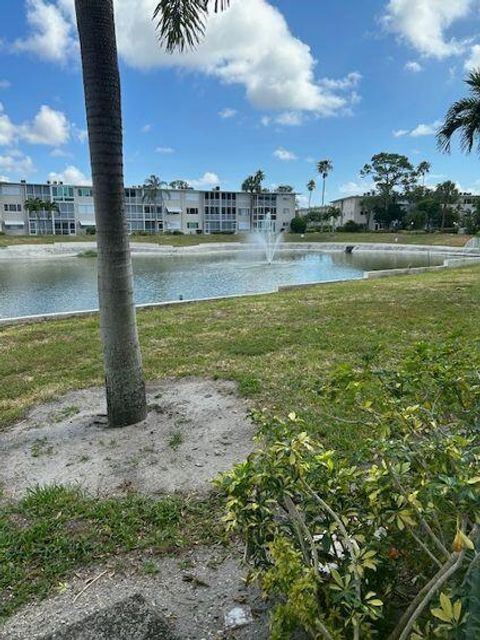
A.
x: 353, y: 188
x: 419, y: 131
x: 80, y: 134
x: 348, y: 82
x: 60, y: 153
x: 241, y: 47
x: 425, y: 129
x: 424, y: 24
x: 414, y: 67
x: 5, y: 84
x: 209, y: 179
x: 146, y: 128
x: 4, y: 179
x: 290, y: 119
x: 7, y: 129
x: 165, y: 150
x: 227, y: 113
x: 48, y: 127
x: 51, y: 34
x: 473, y: 61
x: 16, y: 162
x: 71, y: 175
x: 265, y: 120
x: 284, y: 154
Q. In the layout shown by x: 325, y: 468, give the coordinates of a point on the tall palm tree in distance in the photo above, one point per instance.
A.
x: 463, y: 117
x: 152, y: 193
x: 124, y: 382
x: 324, y: 167
x: 311, y: 186
x: 423, y: 169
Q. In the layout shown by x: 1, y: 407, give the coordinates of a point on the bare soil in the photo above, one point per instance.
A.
x: 192, y: 593
x: 194, y: 430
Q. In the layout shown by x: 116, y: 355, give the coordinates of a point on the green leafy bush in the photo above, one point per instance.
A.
x: 298, y: 224
x: 384, y: 543
x: 352, y: 227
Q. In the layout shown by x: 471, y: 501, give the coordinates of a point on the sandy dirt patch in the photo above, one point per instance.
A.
x: 192, y: 593
x: 195, y: 429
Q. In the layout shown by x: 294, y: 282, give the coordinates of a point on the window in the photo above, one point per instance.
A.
x: 85, y: 192
x: 12, y: 207
x: 192, y: 211
x: 192, y: 225
x: 86, y: 209
x: 10, y: 190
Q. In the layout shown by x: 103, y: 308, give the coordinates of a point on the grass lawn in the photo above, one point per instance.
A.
x: 277, y: 348
x: 447, y: 239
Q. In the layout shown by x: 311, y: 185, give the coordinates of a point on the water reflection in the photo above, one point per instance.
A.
x: 70, y: 284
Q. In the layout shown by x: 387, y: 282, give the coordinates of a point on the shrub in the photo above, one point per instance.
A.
x: 382, y: 543
x: 351, y: 227
x: 91, y: 231
x: 298, y: 225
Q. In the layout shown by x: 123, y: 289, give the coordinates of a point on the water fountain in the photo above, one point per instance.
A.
x: 267, y: 237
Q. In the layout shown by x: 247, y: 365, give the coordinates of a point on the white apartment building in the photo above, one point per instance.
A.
x: 174, y: 210
x: 351, y: 209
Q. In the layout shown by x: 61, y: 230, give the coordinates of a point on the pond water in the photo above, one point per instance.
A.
x: 33, y: 287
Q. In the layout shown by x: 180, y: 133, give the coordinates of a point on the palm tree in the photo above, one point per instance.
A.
x: 253, y: 186
x: 311, y: 186
x: 51, y: 207
x: 125, y: 386
x: 447, y: 194
x: 422, y: 170
x: 324, y: 167
x: 34, y: 205
x: 463, y: 117
x: 152, y: 189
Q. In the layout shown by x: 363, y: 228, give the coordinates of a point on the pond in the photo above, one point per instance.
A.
x: 34, y: 287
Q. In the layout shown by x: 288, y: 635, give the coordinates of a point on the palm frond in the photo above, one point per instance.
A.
x: 458, y: 117
x: 181, y: 23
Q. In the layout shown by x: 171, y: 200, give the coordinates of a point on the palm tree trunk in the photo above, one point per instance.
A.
x: 323, y: 190
x: 125, y: 387
x: 309, y: 201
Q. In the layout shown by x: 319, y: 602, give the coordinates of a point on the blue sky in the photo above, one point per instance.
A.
x: 277, y: 85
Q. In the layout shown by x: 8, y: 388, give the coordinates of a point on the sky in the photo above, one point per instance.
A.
x: 276, y: 85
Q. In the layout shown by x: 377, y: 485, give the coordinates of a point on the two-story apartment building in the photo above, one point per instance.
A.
x: 187, y: 211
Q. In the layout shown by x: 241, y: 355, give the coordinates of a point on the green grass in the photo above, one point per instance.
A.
x: 277, y: 347
x: 55, y: 530
x: 406, y: 237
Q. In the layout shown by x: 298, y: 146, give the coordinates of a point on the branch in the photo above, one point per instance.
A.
x: 350, y: 548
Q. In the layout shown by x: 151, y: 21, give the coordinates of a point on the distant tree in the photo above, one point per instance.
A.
x: 393, y: 175
x: 331, y: 215
x: 370, y: 203
x: 324, y: 168
x: 34, y: 206
x: 254, y: 185
x: 51, y: 208
x: 298, y: 224
x: 179, y: 184
x: 153, y: 194
x: 311, y: 186
x: 284, y: 188
x: 423, y: 169
x: 447, y: 195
